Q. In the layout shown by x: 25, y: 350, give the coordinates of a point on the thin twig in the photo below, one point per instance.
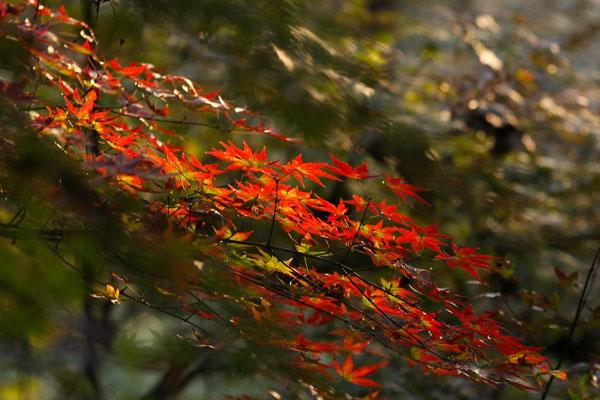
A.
x: 167, y: 120
x: 360, y: 225
x: 580, y: 306
x: 274, y: 217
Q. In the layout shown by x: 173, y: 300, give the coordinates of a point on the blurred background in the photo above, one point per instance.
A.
x: 492, y: 105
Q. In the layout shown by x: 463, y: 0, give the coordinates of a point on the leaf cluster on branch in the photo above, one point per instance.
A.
x: 340, y: 287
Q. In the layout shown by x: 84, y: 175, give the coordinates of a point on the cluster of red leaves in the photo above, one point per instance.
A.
x: 128, y: 107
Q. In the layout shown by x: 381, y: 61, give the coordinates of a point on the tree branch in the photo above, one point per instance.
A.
x: 580, y: 305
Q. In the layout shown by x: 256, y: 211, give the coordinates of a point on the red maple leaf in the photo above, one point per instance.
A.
x: 244, y: 159
x: 357, y: 376
x: 421, y: 237
x: 404, y: 190
x: 467, y: 259
x: 344, y: 169
x: 310, y: 170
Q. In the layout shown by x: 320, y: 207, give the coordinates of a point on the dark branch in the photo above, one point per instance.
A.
x: 580, y: 306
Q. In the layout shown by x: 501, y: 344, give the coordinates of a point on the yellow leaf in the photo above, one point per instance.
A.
x: 271, y: 263
x: 562, y: 375
x: 112, y: 293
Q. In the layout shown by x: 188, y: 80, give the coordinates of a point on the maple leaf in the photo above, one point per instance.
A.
x: 302, y: 344
x: 404, y: 190
x: 467, y: 259
x: 243, y: 159
x: 342, y: 168
x: 421, y: 237
x: 358, y: 202
x: 384, y: 258
x: 112, y: 293
x: 226, y: 233
x: 85, y: 49
x: 352, y: 346
x: 271, y: 263
x: 357, y: 376
x: 390, y: 212
x: 109, y: 292
x: 310, y: 170
x: 559, y: 374
x: 130, y: 71
x: 130, y: 183
x: 83, y: 113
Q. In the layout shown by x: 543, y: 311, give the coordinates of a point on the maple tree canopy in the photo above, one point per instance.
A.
x: 352, y: 285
